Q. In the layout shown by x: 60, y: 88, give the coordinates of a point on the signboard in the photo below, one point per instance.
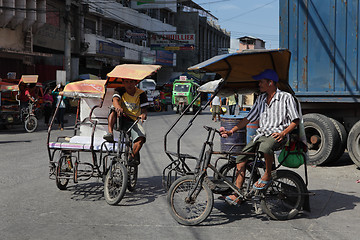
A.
x: 173, y: 42
x: 61, y: 77
x: 136, y: 34
x: 182, y: 78
x: 164, y: 58
x: 110, y: 49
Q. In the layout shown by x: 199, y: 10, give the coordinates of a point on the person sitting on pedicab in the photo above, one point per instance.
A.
x: 131, y: 102
x: 278, y: 115
x: 26, y: 95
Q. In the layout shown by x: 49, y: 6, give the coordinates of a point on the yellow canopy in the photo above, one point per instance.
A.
x: 29, y: 79
x: 129, y: 71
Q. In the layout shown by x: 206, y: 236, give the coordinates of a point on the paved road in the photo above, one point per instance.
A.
x: 33, y: 208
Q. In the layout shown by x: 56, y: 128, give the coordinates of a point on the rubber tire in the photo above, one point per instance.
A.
x: 172, y: 196
x: 343, y: 138
x: 31, y: 124
x: 132, y: 173
x: 289, y: 212
x: 353, y: 144
x: 61, y: 183
x: 181, y: 109
x: 330, y: 139
x: 120, y: 188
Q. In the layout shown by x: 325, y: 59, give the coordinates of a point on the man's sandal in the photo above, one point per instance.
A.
x: 260, y: 181
x: 235, y: 202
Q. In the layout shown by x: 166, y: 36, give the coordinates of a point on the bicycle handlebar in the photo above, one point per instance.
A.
x: 211, y: 128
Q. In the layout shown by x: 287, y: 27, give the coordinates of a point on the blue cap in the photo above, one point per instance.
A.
x: 267, y: 74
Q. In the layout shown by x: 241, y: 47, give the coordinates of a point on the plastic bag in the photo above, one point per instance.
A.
x: 292, y: 156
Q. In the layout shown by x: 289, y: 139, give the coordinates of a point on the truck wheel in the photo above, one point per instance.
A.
x: 343, y: 138
x: 322, y: 138
x: 353, y: 144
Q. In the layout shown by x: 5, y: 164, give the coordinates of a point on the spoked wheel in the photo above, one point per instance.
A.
x: 31, y: 124
x: 229, y: 171
x: 115, y: 183
x: 157, y: 107
x: 64, y: 171
x: 284, y: 198
x: 132, y: 177
x: 189, y: 211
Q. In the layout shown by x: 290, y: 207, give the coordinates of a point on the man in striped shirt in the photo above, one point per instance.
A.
x: 278, y: 115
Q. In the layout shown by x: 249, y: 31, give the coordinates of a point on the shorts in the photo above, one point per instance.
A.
x: 266, y: 145
x: 136, y: 132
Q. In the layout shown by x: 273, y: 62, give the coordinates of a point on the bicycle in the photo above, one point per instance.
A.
x: 122, y: 174
x: 28, y: 117
x: 191, y: 197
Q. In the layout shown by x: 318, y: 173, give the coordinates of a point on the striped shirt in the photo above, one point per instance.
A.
x: 274, y: 117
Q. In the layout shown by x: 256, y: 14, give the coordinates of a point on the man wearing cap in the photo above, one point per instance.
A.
x: 278, y: 115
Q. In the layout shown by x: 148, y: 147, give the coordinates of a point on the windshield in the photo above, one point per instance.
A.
x: 181, y: 88
x: 148, y: 85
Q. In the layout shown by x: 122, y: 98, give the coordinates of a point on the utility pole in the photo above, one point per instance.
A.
x: 67, y: 47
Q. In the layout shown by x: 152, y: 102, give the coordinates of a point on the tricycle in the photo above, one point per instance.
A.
x: 191, y: 191
x: 109, y: 160
x: 184, y: 91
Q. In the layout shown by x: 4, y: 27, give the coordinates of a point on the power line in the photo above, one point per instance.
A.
x: 252, y: 10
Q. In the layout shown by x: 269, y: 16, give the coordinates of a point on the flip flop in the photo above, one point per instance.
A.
x: 267, y: 183
x: 235, y: 202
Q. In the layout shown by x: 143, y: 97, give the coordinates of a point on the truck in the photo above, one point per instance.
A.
x: 323, y: 38
x: 184, y: 92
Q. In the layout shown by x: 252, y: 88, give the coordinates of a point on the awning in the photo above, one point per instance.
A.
x: 129, y: 71
x: 5, y: 86
x: 237, y: 69
x: 85, y: 89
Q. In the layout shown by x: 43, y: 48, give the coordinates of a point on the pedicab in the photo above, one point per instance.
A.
x: 9, y: 106
x: 30, y: 114
x: 85, y: 154
x: 191, y: 191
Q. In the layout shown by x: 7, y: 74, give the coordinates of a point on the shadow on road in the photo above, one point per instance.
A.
x: 147, y: 190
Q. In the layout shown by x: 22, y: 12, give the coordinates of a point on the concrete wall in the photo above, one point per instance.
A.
x: 12, y: 39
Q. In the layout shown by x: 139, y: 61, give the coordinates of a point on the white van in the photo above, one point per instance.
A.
x: 149, y: 86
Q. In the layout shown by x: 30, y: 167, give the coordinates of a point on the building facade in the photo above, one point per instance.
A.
x: 103, y: 34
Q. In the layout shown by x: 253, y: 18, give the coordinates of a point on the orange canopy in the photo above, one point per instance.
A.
x: 29, y: 79
x: 129, y: 71
x: 85, y: 89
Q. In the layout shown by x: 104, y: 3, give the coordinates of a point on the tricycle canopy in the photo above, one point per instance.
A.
x: 129, y: 71
x: 5, y: 86
x: 237, y: 69
x: 29, y: 79
x: 85, y: 89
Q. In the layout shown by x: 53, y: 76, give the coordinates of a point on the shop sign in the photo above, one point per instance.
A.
x: 136, y: 34
x: 164, y: 58
x: 173, y: 39
x: 111, y: 49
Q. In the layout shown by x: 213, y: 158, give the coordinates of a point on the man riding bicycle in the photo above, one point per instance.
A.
x: 131, y: 103
x: 27, y: 95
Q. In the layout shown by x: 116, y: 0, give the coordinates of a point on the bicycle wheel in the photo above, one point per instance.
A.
x: 63, y: 173
x: 115, y: 183
x: 157, y: 107
x: 132, y: 177
x: 30, y: 124
x: 189, y: 212
x: 284, y: 198
x: 229, y: 171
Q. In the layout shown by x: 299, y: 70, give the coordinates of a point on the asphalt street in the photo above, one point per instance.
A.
x: 32, y: 207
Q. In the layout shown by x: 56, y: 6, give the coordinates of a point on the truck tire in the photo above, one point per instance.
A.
x: 353, y: 143
x: 322, y: 138
x: 343, y: 138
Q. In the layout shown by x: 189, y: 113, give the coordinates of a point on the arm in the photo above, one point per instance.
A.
x: 143, y: 114
x: 280, y: 136
x: 243, y: 122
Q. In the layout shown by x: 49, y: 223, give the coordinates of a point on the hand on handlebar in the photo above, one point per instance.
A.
x: 143, y: 117
x: 225, y: 133
x: 119, y: 111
